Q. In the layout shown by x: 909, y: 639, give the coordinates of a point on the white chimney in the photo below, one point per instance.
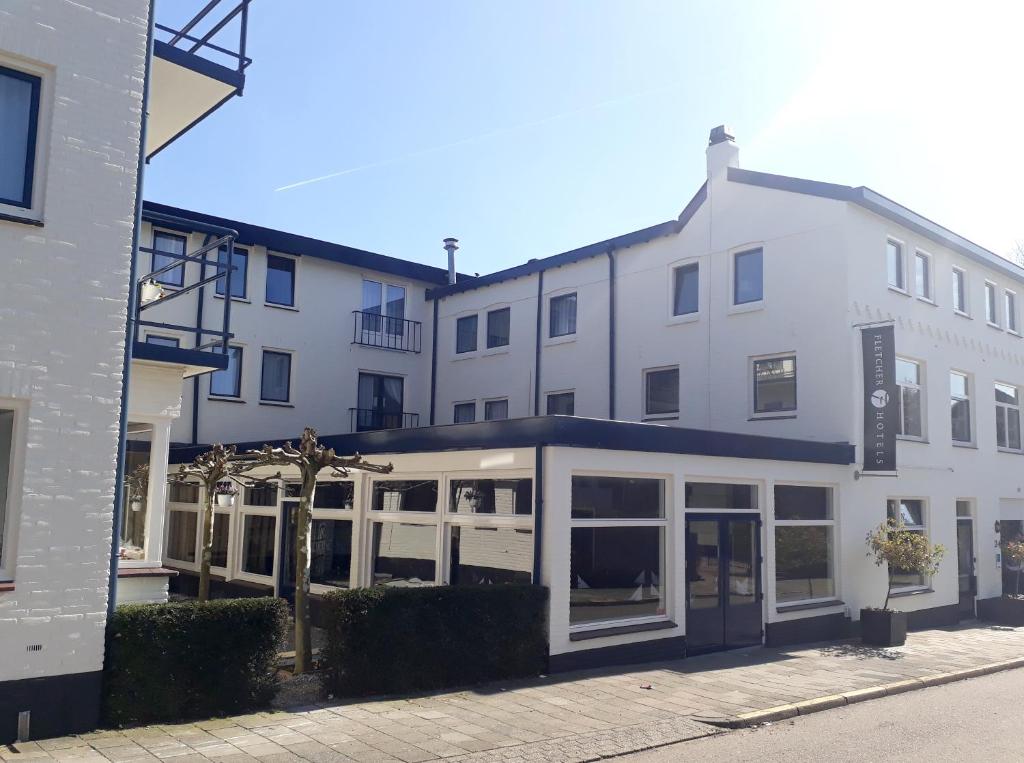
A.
x: 450, y: 245
x: 722, y: 151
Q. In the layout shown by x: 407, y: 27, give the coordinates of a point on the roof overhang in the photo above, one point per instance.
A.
x: 191, y: 362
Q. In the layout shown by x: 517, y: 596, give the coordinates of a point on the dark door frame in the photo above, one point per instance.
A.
x: 974, y: 568
x: 286, y: 590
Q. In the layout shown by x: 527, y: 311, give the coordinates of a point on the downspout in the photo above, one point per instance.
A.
x: 433, y: 362
x: 538, y: 512
x: 199, y: 340
x: 611, y: 334
x: 129, y: 333
x: 536, y: 361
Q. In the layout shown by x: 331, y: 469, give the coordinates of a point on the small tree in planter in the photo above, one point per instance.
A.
x: 896, y: 547
x: 1014, y: 551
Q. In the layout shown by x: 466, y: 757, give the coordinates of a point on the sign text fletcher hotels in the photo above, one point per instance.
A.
x: 880, y: 404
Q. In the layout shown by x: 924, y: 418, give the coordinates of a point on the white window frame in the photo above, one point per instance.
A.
x: 15, y: 476
x: 926, y: 584
x: 758, y: 304
x: 667, y: 416
x: 901, y: 247
x: 422, y: 518
x: 672, y: 318
x: 833, y: 526
x: 344, y: 515
x: 970, y: 408
x: 1003, y: 411
x: 963, y: 310
x: 237, y: 545
x: 928, y: 294
x: 1011, y: 312
x: 920, y: 387
x: 666, y: 522
x: 34, y: 212
x: 752, y: 387
x: 992, y: 304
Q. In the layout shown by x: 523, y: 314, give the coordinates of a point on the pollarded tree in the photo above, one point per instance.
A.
x: 893, y: 545
x: 210, y: 468
x: 310, y: 459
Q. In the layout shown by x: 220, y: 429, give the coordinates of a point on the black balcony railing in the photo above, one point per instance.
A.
x: 370, y: 419
x: 214, y: 20
x: 376, y: 330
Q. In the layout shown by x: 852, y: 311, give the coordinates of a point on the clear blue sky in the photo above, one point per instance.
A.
x: 531, y: 127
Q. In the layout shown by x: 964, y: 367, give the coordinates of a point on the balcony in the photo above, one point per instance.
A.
x: 376, y: 330
x: 372, y: 419
x: 199, y: 64
x: 170, y: 279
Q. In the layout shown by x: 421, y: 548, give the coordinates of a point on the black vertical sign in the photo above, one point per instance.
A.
x: 880, y: 404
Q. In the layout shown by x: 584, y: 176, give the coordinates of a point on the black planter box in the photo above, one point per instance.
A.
x: 883, y: 627
x: 1005, y: 610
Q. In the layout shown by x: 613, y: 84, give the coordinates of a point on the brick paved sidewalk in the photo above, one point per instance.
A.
x: 570, y: 717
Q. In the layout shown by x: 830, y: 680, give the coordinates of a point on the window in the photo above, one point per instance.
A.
x: 465, y: 334
x: 183, y: 492
x: 19, y: 105
x: 686, y: 289
x: 923, y: 275
x: 499, y: 327
x: 258, y: 544
x: 165, y: 247
x: 1007, y: 416
x: 495, y: 409
x: 330, y: 559
x: 133, y: 532
x: 181, y: 535
x: 894, y: 261
x: 617, y: 550
x: 404, y: 495
x: 960, y: 406
x: 221, y: 535
x: 911, y: 512
x: 720, y: 495
x: 239, y: 276
x: 381, y: 399
x: 465, y: 413
x: 404, y: 554
x: 1010, y: 303
x: 661, y: 392
x: 275, y: 380
x: 562, y: 315
x: 804, y: 544
x: 228, y: 382
x: 960, y: 291
x: 280, y: 280
x: 748, y: 277
x: 334, y: 495
x: 489, y: 555
x: 8, y: 494
x: 775, y: 384
x: 561, y: 404
x: 910, y: 422
x: 163, y: 341
x: 991, y: 314
x: 260, y: 495
x: 500, y: 497
x: 387, y: 301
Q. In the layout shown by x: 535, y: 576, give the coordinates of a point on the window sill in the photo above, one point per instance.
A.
x: 916, y: 591
x: 909, y: 438
x: 992, y: 325
x: 21, y: 219
x: 802, y: 606
x: 968, y: 445
x: 772, y: 417
x: 927, y: 300
x: 619, y: 630
x: 898, y: 290
x: 146, y: 572
x: 656, y: 419
x: 1014, y: 333
x: 290, y: 308
x: 563, y: 339
x: 6, y: 585
x: 225, y: 399
x: 276, y: 404
x: 676, y: 320
x: 1011, y: 451
x: 962, y: 314
x: 243, y: 300
x: 467, y: 355
x: 746, y: 307
x: 499, y: 350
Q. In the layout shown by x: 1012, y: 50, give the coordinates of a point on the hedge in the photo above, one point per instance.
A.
x: 395, y: 640
x: 169, y: 662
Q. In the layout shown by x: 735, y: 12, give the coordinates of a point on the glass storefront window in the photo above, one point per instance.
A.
x: 331, y: 552
x: 499, y: 497
x: 181, y: 535
x: 404, y: 495
x: 221, y: 527
x: 258, y: 544
x: 616, y: 573
x: 485, y: 555
x: 404, y: 554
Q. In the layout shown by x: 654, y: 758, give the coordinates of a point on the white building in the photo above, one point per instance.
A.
x: 87, y: 93
x: 740, y: 320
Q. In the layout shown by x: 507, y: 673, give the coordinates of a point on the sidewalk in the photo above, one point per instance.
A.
x: 569, y: 717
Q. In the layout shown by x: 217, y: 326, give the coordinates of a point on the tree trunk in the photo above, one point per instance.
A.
x: 206, y: 554
x: 303, y: 525
x: 888, y: 593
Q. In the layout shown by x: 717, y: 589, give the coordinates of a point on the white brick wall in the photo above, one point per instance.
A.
x: 63, y: 302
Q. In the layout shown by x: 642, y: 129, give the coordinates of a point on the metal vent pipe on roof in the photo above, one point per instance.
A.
x: 450, y: 245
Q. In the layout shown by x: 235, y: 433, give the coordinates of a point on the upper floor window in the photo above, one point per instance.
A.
x: 495, y: 409
x: 991, y: 311
x: 908, y: 376
x: 959, y: 291
x: 960, y: 406
x: 661, y: 392
x: 387, y: 301
x: 775, y: 384
x: 239, y: 276
x: 562, y: 318
x: 1007, y: 416
x: 19, y: 108
x: 748, y: 277
x: 280, y: 280
x: 923, y: 275
x: 465, y: 413
x: 895, y: 264
x: 173, y: 245
x: 1010, y: 306
x: 498, y: 327
x: 561, y: 404
x: 686, y: 289
x: 275, y: 381
x: 228, y: 382
x: 465, y: 334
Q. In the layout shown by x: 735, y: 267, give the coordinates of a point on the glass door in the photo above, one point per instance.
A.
x: 286, y: 570
x: 965, y: 566
x: 381, y: 401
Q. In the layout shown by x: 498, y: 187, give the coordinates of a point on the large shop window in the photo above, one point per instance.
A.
x: 331, y: 552
x: 404, y: 495
x: 404, y: 554
x: 804, y: 544
x: 258, y: 543
x: 617, y: 549
x: 1007, y: 416
x: 19, y: 106
x: 182, y: 527
x: 486, y: 555
x: 221, y: 534
x: 720, y: 495
x: 910, y: 419
x: 911, y: 512
x: 509, y: 497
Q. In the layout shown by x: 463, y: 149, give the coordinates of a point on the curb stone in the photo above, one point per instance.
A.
x: 808, y: 706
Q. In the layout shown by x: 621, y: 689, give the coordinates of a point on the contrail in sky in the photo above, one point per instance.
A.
x: 481, y: 136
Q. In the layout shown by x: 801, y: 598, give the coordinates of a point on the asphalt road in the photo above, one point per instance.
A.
x: 977, y: 719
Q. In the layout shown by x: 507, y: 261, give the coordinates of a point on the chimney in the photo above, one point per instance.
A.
x: 722, y: 151
x: 450, y: 245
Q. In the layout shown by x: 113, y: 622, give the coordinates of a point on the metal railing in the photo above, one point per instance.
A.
x: 191, y: 40
x: 370, y: 419
x: 151, y: 292
x: 376, y: 330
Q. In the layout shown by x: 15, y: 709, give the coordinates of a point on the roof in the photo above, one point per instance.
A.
x: 292, y: 243
x: 569, y: 431
x: 875, y: 202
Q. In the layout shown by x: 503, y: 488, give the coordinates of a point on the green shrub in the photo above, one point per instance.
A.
x: 396, y: 640
x: 169, y: 662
